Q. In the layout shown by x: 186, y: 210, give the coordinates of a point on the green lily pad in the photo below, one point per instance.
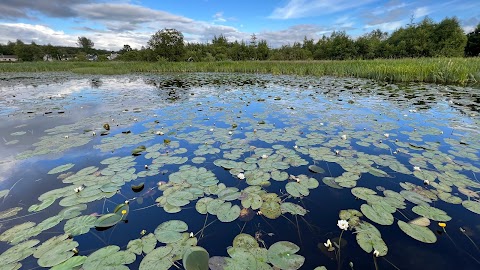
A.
x: 18, y: 252
x: 377, y: 214
x: 294, y: 209
x: 170, y: 231
x: 363, y: 193
x: 282, y: 255
x: 431, y: 213
x: 296, y: 189
x: 61, y: 168
x: 420, y: 233
x: 316, y: 169
x: 196, y: 258
x: 244, y: 240
x: 146, y: 244
x: 109, y: 257
x: 472, y: 206
x: 55, y: 251
x: 228, y: 213
x: 73, y: 263
x: 158, y: 259
x: 369, y: 238
x: 108, y: 220
x: 79, y: 225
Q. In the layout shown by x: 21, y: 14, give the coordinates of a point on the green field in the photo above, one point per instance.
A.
x: 461, y: 71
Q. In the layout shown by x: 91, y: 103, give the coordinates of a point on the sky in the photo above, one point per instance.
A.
x: 112, y: 24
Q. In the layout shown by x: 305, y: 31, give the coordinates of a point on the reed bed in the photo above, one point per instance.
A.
x: 460, y: 71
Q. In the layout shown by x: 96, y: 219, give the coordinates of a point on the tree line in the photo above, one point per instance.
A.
x: 424, y: 39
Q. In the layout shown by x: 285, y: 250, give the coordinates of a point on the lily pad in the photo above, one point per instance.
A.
x: 108, y: 220
x: 109, y: 257
x: 282, y: 255
x: 170, y: 231
x: 472, y: 206
x: 79, y: 225
x: 420, y: 233
x: 431, y: 213
x: 228, y: 213
x: 196, y: 258
x: 369, y: 238
x: 61, y: 168
x: 158, y: 259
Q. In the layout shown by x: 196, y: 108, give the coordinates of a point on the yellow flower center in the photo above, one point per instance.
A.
x: 124, y: 212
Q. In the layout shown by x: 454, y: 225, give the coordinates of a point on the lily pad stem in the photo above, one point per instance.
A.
x: 339, y: 250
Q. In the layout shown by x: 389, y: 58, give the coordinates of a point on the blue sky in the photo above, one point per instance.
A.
x: 111, y: 24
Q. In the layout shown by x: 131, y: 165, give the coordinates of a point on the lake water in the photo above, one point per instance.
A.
x: 273, y: 162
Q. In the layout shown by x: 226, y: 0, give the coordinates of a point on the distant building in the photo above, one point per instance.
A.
x: 8, y: 58
x: 47, y: 58
x: 91, y: 57
x: 112, y: 56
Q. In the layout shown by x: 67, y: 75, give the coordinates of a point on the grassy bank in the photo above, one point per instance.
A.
x: 460, y: 71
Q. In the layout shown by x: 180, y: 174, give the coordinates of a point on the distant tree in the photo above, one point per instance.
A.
x: 85, y: 43
x: 126, y: 48
x: 168, y: 44
x: 369, y: 46
x: 473, y: 43
x: 263, y: 51
x: 449, y: 39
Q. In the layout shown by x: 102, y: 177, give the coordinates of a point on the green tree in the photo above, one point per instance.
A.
x: 473, y: 43
x: 449, y: 39
x: 85, y: 43
x: 263, y: 51
x: 168, y: 44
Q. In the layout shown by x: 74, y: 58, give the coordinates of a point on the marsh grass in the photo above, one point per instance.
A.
x: 461, y: 71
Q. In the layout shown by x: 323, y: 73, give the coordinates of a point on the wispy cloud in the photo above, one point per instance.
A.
x: 218, y: 17
x: 307, y: 8
x: 421, y: 12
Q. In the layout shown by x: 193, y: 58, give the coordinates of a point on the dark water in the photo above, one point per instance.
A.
x: 433, y: 127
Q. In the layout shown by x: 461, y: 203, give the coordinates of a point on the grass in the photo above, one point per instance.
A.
x: 460, y: 71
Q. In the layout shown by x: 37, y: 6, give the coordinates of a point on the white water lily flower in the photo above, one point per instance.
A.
x: 79, y: 188
x: 159, y: 133
x: 241, y: 176
x: 328, y: 244
x: 342, y: 224
x: 230, y: 133
x: 191, y: 235
x: 426, y: 182
x: 295, y: 147
x: 66, y: 136
x: 376, y: 253
x: 264, y: 156
x: 386, y: 135
x: 344, y: 137
x: 93, y: 133
x: 211, y: 129
x: 416, y: 168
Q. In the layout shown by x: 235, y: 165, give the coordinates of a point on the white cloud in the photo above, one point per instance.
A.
x: 218, y: 17
x: 386, y: 26
x: 421, y: 12
x: 34, y: 32
x: 308, y: 8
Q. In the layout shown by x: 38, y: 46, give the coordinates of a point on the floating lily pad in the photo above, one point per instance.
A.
x: 158, y: 259
x: 316, y: 169
x: 246, y: 241
x: 61, y: 168
x: 109, y: 257
x: 170, y: 231
x: 431, y: 213
x: 73, y: 263
x: 196, y: 258
x: 79, y: 225
x: 146, y: 244
x: 294, y: 209
x: 228, y: 213
x: 472, y: 206
x: 420, y: 233
x: 282, y: 255
x: 108, y: 220
x: 369, y: 238
x: 18, y: 252
x: 377, y: 214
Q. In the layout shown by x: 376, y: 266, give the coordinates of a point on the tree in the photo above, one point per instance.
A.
x: 449, y: 39
x: 473, y: 43
x: 85, y: 43
x: 168, y: 44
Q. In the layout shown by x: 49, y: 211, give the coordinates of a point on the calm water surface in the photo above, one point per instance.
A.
x: 419, y: 141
